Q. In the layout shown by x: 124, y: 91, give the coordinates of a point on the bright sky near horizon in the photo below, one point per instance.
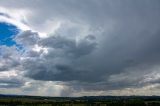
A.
x: 80, y: 47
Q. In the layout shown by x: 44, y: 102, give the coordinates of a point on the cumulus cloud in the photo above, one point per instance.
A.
x: 58, y: 60
x: 9, y: 58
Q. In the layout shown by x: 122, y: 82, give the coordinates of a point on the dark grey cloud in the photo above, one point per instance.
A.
x: 99, y: 66
x: 9, y: 58
x: 70, y: 46
x: 131, y: 43
x: 27, y: 38
x: 11, y: 83
x: 59, y: 61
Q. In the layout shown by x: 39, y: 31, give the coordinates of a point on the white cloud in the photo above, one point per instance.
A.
x: 17, y: 18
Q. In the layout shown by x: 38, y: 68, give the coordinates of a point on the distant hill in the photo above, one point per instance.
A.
x: 85, y: 98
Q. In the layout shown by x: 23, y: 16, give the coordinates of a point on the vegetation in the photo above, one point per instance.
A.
x: 82, y: 101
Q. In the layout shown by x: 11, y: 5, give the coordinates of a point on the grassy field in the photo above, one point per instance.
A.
x: 27, y: 101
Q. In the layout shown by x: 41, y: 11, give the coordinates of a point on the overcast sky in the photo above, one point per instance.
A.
x: 80, y: 47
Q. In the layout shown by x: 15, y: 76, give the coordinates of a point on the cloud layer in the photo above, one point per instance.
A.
x: 82, y: 47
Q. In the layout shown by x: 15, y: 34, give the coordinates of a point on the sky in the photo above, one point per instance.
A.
x: 80, y: 47
x: 7, y: 31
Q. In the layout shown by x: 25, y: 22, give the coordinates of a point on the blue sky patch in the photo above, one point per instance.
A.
x: 7, y: 32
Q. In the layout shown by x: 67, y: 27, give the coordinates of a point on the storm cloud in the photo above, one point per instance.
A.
x: 86, y: 46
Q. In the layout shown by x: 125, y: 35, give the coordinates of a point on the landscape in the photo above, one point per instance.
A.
x: 21, y: 100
